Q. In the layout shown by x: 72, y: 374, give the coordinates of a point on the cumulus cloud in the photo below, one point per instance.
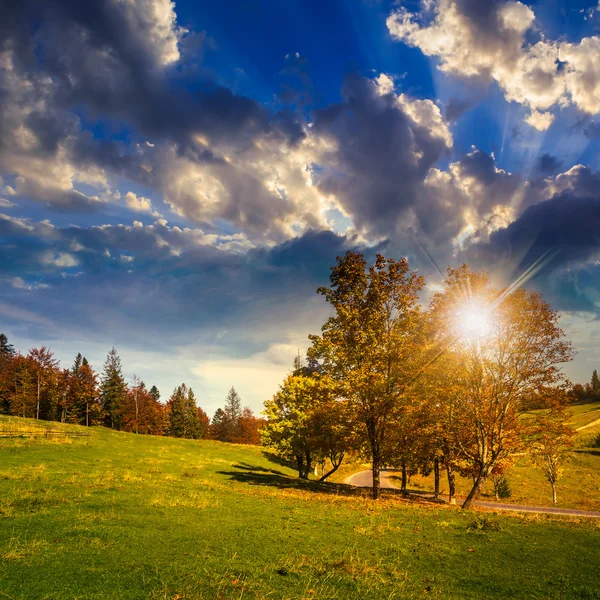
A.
x: 138, y: 203
x: 490, y: 41
x: 375, y: 150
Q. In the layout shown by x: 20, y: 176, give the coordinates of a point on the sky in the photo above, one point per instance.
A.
x: 176, y: 179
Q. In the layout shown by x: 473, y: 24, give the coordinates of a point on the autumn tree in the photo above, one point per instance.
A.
x: 88, y: 406
x: 7, y: 355
x: 507, y: 349
x: 370, y: 345
x: 249, y: 428
x: 552, y: 440
x: 113, y: 389
x: 296, y: 416
x: 140, y: 411
x: 44, y: 370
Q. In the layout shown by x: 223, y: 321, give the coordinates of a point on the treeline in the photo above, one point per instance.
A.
x: 588, y: 391
x: 35, y: 386
x: 462, y: 386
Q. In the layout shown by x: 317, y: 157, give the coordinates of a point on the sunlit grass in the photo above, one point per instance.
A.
x: 125, y: 516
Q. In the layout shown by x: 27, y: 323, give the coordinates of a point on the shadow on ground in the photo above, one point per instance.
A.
x: 256, y: 475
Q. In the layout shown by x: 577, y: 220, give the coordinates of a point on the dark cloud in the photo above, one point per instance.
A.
x: 566, y: 227
x: 381, y: 155
x: 118, y: 279
x: 456, y: 108
x: 547, y: 164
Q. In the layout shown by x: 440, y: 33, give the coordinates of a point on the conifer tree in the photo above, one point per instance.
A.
x: 192, y: 418
x: 155, y: 393
x: 595, y: 383
x: 218, y: 425
x: 177, y: 411
x: 113, y: 389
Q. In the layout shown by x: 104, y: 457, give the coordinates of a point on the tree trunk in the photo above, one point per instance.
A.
x: 451, y: 485
x: 335, y: 465
x: 553, y: 492
x: 475, y: 490
x: 404, y: 479
x: 376, y: 478
x: 436, y: 478
x: 300, y: 463
x: 37, y: 413
x: 308, y: 468
x: 87, y: 414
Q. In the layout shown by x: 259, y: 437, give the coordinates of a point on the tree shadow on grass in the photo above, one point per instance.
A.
x: 255, y: 475
x: 263, y: 477
x: 591, y: 451
x: 247, y: 467
x: 278, y: 460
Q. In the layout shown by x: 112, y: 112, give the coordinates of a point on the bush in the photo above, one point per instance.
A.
x: 502, y: 487
x: 483, y: 523
x: 596, y: 442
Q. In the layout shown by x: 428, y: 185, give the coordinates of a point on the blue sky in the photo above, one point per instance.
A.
x: 178, y: 178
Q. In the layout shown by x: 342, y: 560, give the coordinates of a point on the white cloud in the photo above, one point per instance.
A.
x: 59, y: 259
x: 154, y: 24
x: 491, y: 44
x: 20, y: 284
x: 540, y: 121
x: 138, y: 203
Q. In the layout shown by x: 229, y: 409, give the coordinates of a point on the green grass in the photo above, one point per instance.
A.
x: 124, y: 516
x: 584, y: 413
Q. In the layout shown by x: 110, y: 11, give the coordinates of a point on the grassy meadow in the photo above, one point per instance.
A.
x: 123, y: 516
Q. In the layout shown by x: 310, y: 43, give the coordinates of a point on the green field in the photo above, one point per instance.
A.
x: 125, y: 516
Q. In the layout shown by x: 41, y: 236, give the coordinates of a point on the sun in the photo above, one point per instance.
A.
x: 474, y: 322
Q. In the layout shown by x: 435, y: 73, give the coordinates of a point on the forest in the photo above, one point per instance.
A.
x: 34, y: 385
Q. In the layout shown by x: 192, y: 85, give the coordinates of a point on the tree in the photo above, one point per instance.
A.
x: 45, y: 368
x: 141, y: 412
x: 88, y: 406
x: 113, y: 389
x: 300, y: 422
x: 7, y: 355
x: 6, y: 349
x: 506, y: 346
x: 370, y: 347
x: 595, y: 383
x: 249, y: 428
x: 186, y: 419
x: 218, y: 429
x: 552, y: 440
x: 177, y: 410
x: 155, y: 393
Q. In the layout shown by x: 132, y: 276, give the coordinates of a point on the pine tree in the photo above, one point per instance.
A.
x: 233, y: 413
x: 233, y: 405
x: 6, y: 349
x: 77, y: 364
x: 155, y: 393
x: 177, y: 411
x: 193, y: 425
x: 218, y: 425
x: 113, y: 389
x: 595, y: 383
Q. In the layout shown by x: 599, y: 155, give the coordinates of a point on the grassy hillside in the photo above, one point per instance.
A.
x: 124, y: 516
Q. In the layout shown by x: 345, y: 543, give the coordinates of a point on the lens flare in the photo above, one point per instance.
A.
x: 474, y: 322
